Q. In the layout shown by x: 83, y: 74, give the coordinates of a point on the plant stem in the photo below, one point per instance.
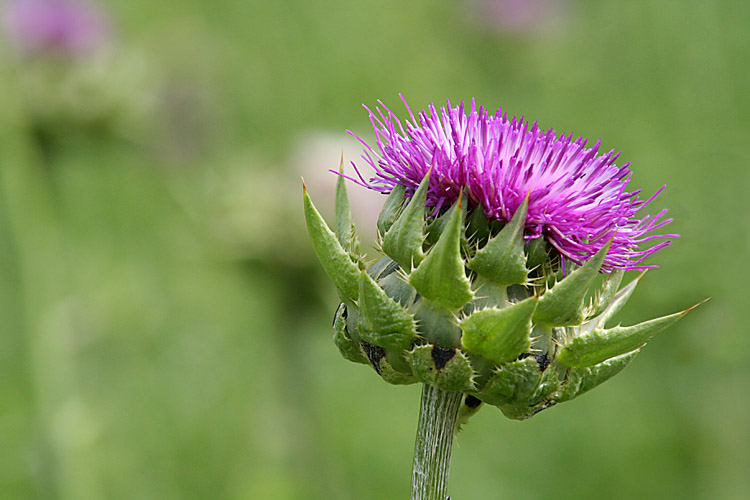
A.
x: 438, y: 416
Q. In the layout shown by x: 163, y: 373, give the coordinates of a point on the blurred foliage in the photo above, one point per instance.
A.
x: 166, y: 333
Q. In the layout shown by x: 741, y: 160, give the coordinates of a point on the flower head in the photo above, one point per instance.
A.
x: 458, y: 301
x: 578, y: 200
x: 67, y: 27
x: 517, y: 16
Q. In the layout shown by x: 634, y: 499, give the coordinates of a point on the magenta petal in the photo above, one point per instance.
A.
x: 577, y: 196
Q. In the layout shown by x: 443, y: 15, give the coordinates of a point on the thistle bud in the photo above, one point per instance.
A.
x: 504, y: 248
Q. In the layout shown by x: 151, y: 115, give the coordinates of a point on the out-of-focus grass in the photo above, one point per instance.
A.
x: 154, y: 344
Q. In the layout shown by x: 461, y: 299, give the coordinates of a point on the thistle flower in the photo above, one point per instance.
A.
x: 494, y: 233
x: 65, y: 27
x: 577, y: 196
x: 516, y: 16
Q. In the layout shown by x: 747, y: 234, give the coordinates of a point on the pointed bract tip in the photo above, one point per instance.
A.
x: 643, y: 273
x: 696, y: 305
x: 304, y: 186
x: 341, y: 164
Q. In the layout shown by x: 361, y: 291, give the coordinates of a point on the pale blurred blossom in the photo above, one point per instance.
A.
x: 315, y: 155
x: 517, y: 16
x: 55, y: 27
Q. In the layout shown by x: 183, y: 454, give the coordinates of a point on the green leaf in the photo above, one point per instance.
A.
x: 563, y: 305
x: 391, y: 208
x: 383, y: 321
x: 599, y: 345
x: 336, y: 262
x: 500, y: 335
x: 403, y: 241
x: 345, y: 231
x: 441, y: 277
x: 502, y: 260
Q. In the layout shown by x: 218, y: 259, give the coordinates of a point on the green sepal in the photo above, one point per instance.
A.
x: 500, y: 335
x: 537, y: 252
x: 483, y: 368
x: 512, y: 383
x: 516, y: 412
x: 502, y: 260
x: 522, y: 388
x: 436, y: 226
x: 397, y: 288
x: 469, y: 407
x: 447, y: 369
x: 397, y: 358
x: 383, y: 268
x: 540, y: 399
x: 606, y: 293
x: 392, y: 207
x: 336, y: 262
x: 488, y: 294
x: 563, y: 304
x: 383, y: 321
x: 437, y: 325
x: 477, y: 226
x: 616, y: 304
x: 583, y: 379
x: 599, y: 345
x: 441, y: 277
x: 403, y: 241
x: 387, y: 273
x: 549, y: 384
x: 393, y: 376
x: 383, y: 362
x: 349, y: 348
x: 345, y: 231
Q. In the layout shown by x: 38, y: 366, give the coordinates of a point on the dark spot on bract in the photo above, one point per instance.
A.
x: 441, y: 356
x: 374, y: 354
x: 471, y: 401
x: 542, y: 361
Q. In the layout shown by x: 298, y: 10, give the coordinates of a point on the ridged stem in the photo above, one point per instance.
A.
x: 438, y: 416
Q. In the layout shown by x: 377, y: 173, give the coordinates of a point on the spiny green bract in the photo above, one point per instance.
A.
x: 463, y: 304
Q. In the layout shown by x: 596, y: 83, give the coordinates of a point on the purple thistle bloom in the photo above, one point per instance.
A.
x: 577, y: 196
x: 517, y: 16
x: 67, y: 27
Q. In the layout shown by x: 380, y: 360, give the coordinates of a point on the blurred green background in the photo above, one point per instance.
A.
x: 165, y: 331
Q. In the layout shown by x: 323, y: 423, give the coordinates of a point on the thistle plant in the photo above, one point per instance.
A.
x: 504, y: 250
